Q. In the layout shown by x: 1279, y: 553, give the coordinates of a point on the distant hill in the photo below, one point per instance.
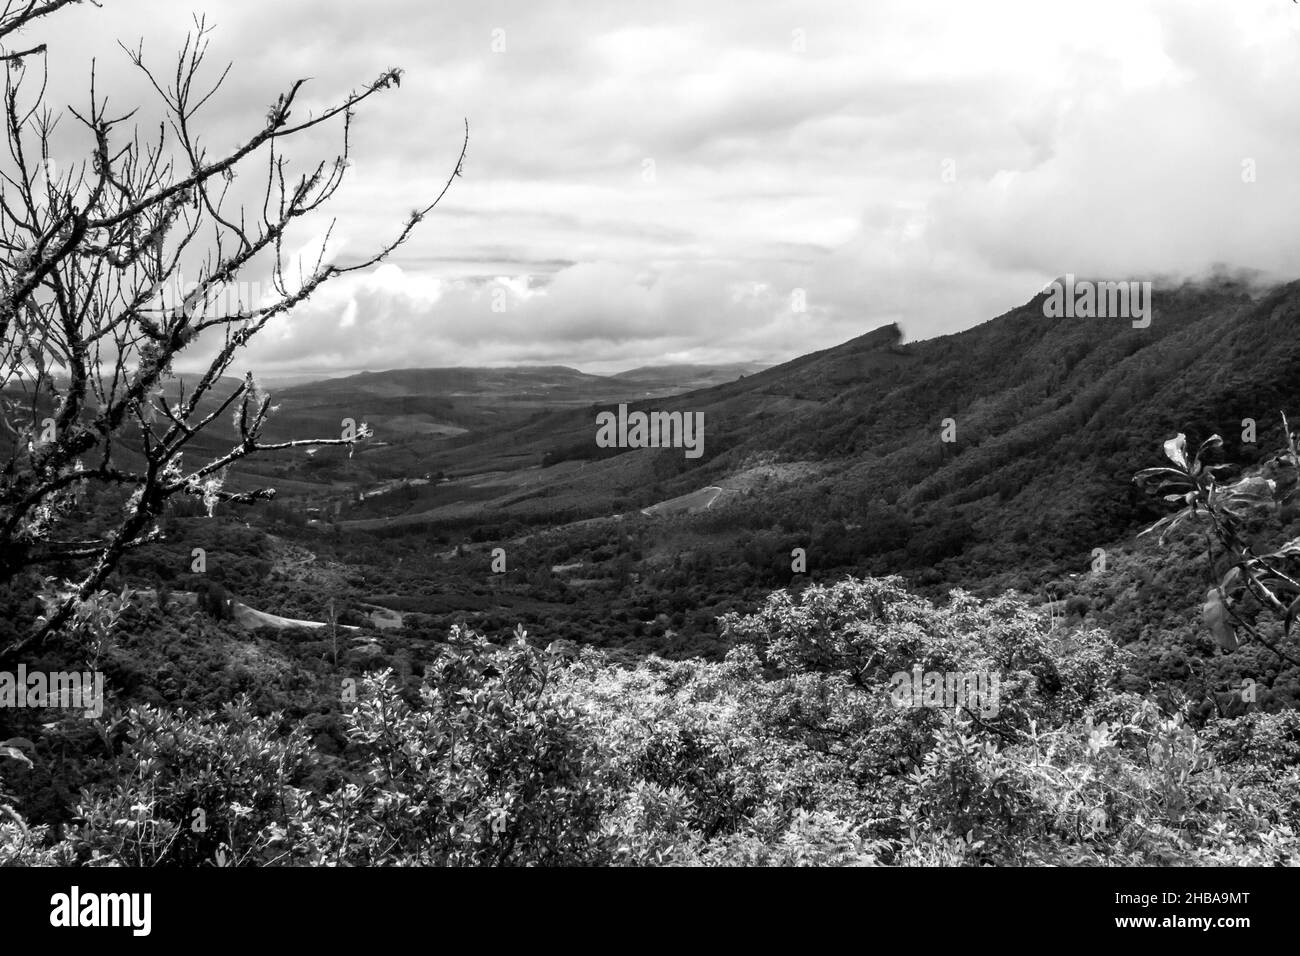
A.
x: 555, y: 380
x: 413, y: 412
x: 448, y: 401
x: 436, y: 402
x: 687, y: 377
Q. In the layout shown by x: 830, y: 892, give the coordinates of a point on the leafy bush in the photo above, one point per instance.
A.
x: 792, y: 750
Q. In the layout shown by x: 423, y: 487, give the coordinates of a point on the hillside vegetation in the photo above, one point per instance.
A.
x: 791, y: 751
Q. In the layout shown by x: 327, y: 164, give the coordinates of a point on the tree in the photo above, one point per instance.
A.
x: 88, y: 399
x: 214, y: 600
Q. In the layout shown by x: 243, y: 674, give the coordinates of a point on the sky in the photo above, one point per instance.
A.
x: 651, y: 183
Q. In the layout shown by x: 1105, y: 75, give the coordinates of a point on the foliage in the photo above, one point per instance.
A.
x: 1248, y: 579
x: 793, y: 750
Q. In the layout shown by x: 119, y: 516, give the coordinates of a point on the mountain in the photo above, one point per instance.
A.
x: 1050, y: 418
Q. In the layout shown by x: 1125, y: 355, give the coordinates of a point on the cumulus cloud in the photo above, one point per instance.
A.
x: 745, y: 181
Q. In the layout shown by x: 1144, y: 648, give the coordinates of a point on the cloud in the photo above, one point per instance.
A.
x: 652, y: 184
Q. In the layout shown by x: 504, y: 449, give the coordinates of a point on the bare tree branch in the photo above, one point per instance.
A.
x: 88, y: 338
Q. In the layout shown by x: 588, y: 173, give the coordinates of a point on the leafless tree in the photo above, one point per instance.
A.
x: 88, y: 397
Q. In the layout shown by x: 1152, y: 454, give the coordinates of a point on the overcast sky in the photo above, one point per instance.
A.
x: 672, y: 181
